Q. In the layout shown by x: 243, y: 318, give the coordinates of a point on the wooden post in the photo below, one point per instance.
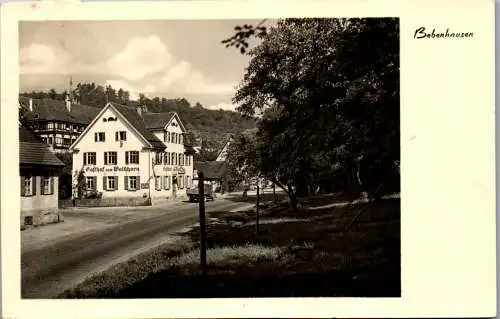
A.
x: 257, y: 210
x: 274, y: 193
x: 203, y: 245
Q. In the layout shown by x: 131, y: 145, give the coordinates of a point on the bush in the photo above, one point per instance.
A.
x: 93, y: 194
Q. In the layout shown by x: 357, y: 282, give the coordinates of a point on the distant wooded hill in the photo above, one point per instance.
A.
x: 212, y: 127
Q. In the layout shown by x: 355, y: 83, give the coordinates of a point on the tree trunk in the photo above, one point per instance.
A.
x: 292, y: 199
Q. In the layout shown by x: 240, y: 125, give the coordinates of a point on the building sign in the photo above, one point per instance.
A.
x: 178, y: 169
x: 144, y: 185
x: 93, y: 169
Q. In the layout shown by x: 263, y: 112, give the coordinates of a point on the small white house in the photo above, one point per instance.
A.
x: 132, y: 157
x: 39, y: 181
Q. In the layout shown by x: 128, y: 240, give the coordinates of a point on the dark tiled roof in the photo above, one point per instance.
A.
x: 157, y: 120
x: 32, y: 152
x: 211, y: 169
x: 26, y: 135
x: 55, y: 110
x: 136, y: 120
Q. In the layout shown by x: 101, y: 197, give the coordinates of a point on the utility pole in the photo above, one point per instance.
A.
x: 203, y: 244
x: 257, y: 211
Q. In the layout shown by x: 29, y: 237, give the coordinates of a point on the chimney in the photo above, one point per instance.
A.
x: 68, y: 103
x: 31, y: 105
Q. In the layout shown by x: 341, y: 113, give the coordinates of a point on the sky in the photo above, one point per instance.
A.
x: 170, y: 58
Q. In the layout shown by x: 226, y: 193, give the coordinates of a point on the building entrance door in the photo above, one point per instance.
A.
x: 174, y: 186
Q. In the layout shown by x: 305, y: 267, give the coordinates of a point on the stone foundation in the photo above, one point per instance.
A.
x: 112, y: 202
x: 40, y: 217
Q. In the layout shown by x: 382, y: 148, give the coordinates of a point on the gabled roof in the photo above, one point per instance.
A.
x: 33, y: 152
x: 160, y: 121
x: 211, y: 169
x: 157, y: 120
x: 55, y: 110
x: 138, y: 123
x: 130, y: 115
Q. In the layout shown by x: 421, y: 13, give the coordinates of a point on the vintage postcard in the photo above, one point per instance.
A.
x: 247, y: 159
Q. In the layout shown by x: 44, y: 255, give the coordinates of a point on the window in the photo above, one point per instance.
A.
x: 47, y: 185
x: 91, y: 182
x: 44, y: 139
x: 132, y: 157
x: 181, y: 182
x: 67, y: 141
x: 68, y: 127
x: 179, y: 159
x: 89, y: 158
x: 132, y: 183
x: 110, y: 183
x: 175, y: 138
x: 174, y: 159
x: 166, y: 159
x: 50, y: 125
x: 51, y: 140
x: 110, y: 158
x: 28, y: 220
x: 158, y: 183
x: 100, y: 137
x: 59, y: 140
x: 166, y: 137
x: 28, y: 186
x: 166, y: 182
x: 121, y: 136
x: 158, y: 158
x: 181, y: 138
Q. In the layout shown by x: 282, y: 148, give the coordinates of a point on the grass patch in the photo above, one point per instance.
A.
x: 122, y: 275
x: 310, y: 254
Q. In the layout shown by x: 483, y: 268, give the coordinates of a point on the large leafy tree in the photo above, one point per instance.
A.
x: 329, y: 89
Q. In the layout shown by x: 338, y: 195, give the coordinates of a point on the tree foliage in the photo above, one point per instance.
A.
x: 328, y: 90
x: 242, y: 35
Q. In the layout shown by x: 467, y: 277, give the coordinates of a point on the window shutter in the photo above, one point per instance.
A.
x: 126, y: 158
x: 116, y: 182
x: 105, y: 158
x: 95, y: 183
x: 138, y: 182
x: 126, y: 183
x: 52, y: 185
x: 103, y: 137
x: 23, y: 191
x: 84, y: 158
x: 95, y: 137
x: 104, y: 184
x: 116, y: 136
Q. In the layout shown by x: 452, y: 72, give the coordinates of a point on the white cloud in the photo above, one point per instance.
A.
x: 140, y: 61
x: 141, y: 57
x: 40, y: 58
